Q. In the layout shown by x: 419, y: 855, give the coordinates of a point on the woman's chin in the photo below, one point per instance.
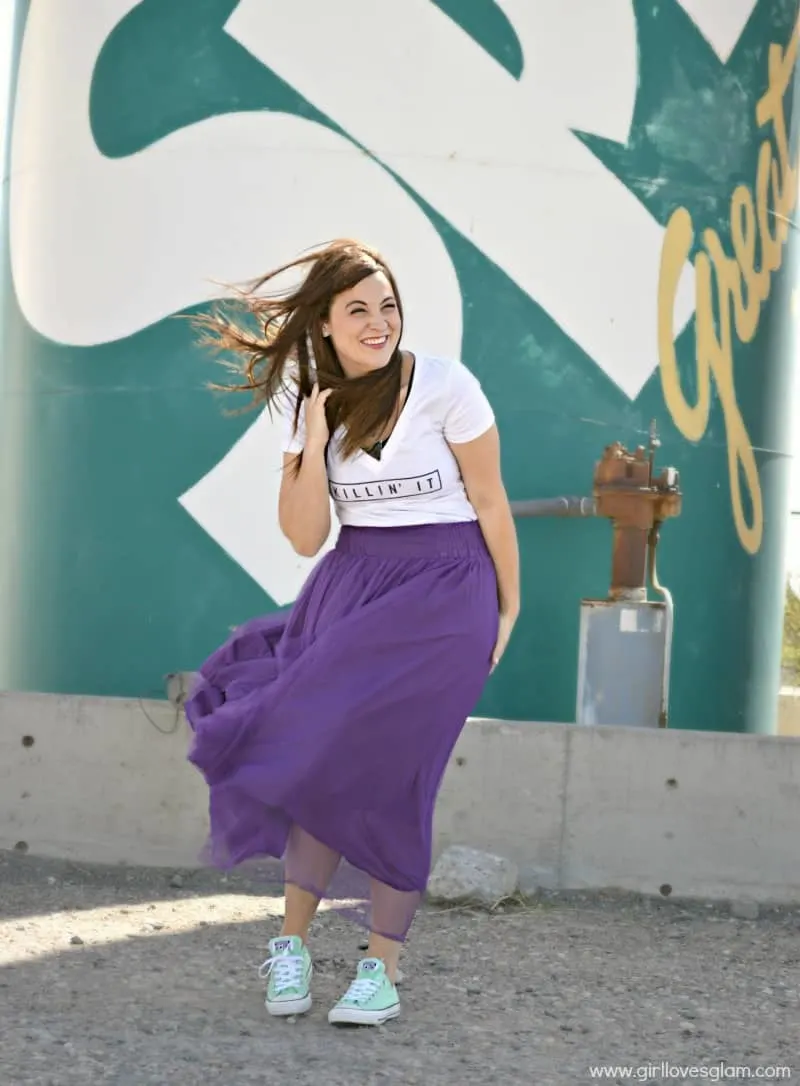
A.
x: 378, y: 363
x: 369, y: 363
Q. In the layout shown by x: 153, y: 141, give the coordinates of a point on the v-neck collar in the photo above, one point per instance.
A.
x: 396, y: 436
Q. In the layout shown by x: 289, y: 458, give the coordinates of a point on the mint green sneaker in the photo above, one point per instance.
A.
x: 370, y: 1000
x: 289, y: 970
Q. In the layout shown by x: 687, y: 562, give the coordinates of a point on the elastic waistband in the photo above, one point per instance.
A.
x: 461, y: 539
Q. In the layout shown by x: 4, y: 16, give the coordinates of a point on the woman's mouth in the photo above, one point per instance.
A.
x: 376, y: 342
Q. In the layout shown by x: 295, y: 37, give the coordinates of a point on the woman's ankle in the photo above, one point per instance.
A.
x: 289, y: 930
x: 387, y: 951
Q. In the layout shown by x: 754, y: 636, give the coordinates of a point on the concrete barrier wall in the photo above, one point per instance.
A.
x: 697, y: 814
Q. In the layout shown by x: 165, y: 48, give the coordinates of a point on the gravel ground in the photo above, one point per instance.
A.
x: 115, y: 975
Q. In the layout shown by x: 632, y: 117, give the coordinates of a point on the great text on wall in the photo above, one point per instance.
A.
x: 731, y: 292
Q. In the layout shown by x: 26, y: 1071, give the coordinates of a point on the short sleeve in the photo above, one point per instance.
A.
x: 294, y: 440
x: 284, y: 404
x: 468, y: 413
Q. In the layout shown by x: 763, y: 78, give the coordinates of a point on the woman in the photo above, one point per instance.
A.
x: 325, y: 733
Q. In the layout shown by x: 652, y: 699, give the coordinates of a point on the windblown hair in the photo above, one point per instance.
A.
x: 287, y: 354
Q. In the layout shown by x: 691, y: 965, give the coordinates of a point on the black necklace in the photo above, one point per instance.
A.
x: 376, y: 450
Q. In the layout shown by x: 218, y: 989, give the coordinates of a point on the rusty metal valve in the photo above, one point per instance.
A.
x: 627, y: 491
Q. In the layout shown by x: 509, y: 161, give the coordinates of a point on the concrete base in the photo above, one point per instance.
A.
x: 689, y: 814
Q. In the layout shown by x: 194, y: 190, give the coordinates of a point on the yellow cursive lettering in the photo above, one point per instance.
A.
x: 770, y: 110
x: 730, y: 292
x: 691, y: 420
x: 744, y: 234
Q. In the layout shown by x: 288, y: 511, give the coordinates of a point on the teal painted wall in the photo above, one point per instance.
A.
x: 525, y: 190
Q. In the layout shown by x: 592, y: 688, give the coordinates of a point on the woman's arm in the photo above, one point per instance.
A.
x: 479, y: 463
x: 304, y: 507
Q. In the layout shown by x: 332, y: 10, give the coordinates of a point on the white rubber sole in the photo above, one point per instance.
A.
x: 355, y: 1016
x: 285, y: 1008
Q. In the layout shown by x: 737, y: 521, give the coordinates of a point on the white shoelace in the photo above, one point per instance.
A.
x: 289, y: 970
x: 362, y: 989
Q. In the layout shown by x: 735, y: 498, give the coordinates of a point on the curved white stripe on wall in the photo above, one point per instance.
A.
x: 102, y: 248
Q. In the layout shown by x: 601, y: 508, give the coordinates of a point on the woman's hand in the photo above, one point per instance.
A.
x: 505, y: 627
x: 317, y: 434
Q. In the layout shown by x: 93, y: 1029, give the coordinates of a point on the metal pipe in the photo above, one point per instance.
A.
x: 669, y: 612
x: 555, y: 507
x: 629, y: 563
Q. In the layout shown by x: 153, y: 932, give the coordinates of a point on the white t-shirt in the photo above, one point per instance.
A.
x: 416, y: 480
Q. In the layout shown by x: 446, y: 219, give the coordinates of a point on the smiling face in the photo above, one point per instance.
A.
x: 364, y: 325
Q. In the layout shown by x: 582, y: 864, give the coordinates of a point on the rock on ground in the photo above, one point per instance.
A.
x: 468, y: 875
x: 163, y: 988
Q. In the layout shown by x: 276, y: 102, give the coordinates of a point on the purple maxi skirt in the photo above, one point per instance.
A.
x: 324, y: 732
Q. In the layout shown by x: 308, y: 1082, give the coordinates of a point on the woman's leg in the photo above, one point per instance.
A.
x: 301, y: 908
x: 309, y: 868
x: 393, y: 912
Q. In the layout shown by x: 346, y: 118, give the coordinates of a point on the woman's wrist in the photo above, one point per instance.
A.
x: 509, y: 608
x: 314, y: 450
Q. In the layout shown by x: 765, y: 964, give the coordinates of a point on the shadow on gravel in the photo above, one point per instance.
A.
x: 114, y: 976
x: 64, y: 884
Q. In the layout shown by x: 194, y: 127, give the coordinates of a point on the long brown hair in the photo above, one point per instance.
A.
x: 276, y: 359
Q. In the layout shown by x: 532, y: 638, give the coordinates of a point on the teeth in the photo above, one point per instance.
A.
x: 379, y: 339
